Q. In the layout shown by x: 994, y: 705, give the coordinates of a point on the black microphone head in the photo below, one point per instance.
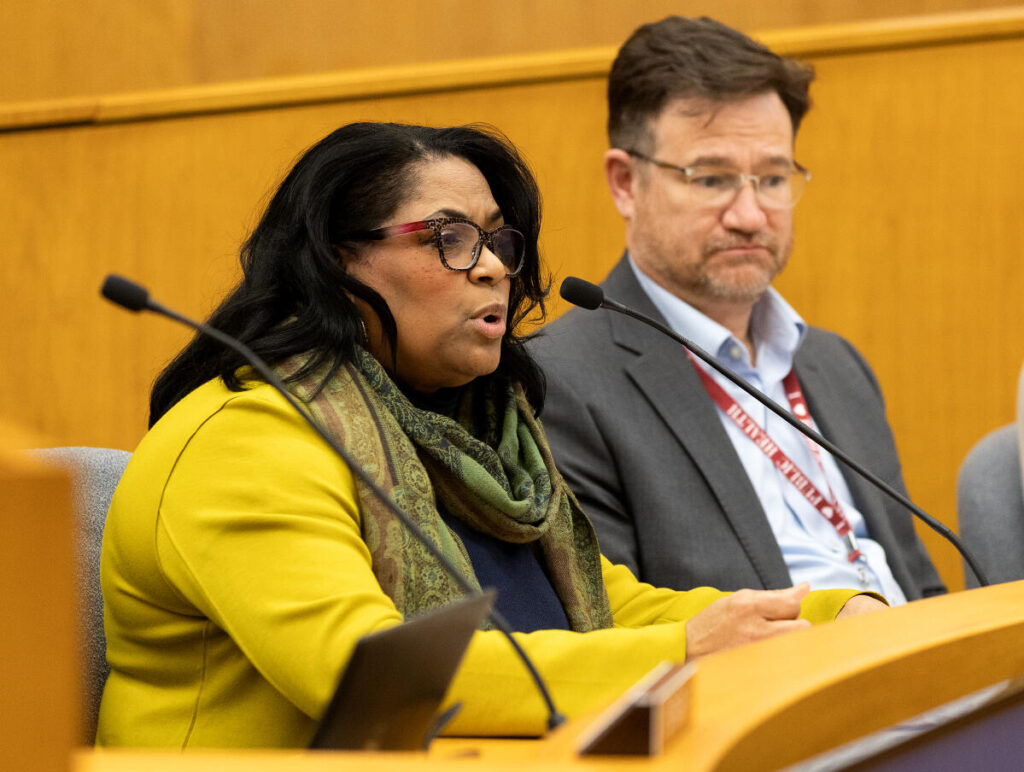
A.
x: 581, y: 293
x: 125, y: 292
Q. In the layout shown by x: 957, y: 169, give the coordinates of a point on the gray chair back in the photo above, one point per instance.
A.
x: 990, y: 506
x: 95, y: 473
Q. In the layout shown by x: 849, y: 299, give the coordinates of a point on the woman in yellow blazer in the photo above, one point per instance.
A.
x: 242, y: 561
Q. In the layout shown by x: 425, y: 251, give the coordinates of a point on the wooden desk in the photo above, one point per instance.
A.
x: 757, y: 707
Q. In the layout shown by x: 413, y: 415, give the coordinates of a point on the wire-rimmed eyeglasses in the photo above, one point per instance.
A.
x: 716, y: 186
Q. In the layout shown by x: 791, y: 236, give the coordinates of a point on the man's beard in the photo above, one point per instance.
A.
x: 723, y: 282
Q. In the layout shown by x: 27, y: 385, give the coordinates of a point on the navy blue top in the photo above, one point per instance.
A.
x: 526, y: 597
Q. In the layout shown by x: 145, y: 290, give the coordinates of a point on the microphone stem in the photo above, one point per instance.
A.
x: 814, y: 436
x: 555, y: 718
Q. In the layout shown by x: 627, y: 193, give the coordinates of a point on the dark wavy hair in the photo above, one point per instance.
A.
x: 294, y: 296
x: 680, y: 58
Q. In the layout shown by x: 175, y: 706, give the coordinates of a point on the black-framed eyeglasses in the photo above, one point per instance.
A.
x: 716, y: 186
x: 460, y: 241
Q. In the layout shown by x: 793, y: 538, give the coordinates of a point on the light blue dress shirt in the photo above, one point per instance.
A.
x: 812, y: 549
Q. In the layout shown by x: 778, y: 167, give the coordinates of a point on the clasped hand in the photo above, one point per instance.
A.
x: 750, y: 615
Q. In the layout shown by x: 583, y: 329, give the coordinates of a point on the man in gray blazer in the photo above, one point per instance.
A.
x: 688, y: 480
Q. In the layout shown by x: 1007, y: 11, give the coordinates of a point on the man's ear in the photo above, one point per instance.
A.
x: 621, y: 176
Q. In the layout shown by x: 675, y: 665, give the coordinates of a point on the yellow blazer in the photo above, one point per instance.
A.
x: 236, y: 584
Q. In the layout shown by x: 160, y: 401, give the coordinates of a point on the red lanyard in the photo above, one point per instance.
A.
x: 828, y: 507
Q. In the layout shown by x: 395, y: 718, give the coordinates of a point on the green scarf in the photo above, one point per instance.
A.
x: 490, y: 467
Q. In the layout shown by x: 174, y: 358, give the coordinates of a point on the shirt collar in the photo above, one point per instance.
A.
x: 776, y: 328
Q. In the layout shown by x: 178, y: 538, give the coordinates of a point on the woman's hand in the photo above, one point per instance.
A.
x: 744, y: 617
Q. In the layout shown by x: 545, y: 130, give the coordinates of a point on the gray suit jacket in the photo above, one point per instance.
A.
x: 639, y: 441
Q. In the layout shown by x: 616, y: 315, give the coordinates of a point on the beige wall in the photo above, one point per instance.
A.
x: 908, y: 238
x: 54, y: 49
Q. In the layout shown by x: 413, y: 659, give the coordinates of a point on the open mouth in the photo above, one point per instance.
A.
x: 492, y: 323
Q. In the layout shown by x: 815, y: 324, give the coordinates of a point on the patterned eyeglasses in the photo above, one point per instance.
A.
x: 460, y: 241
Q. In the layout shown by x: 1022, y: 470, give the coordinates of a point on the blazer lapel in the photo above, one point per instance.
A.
x: 665, y: 378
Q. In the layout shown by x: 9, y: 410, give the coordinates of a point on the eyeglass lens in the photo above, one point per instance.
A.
x: 773, y: 190
x: 459, y: 241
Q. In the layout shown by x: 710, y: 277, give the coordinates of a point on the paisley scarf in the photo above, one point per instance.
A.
x: 489, y: 466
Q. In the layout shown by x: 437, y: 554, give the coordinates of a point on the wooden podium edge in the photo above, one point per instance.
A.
x: 783, y: 700
x: 40, y: 700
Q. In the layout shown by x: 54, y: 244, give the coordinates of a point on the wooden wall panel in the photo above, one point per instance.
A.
x: 54, y: 49
x: 169, y: 202
x: 906, y: 241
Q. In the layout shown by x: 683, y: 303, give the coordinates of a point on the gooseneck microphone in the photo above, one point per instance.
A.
x: 590, y: 297
x: 135, y: 297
